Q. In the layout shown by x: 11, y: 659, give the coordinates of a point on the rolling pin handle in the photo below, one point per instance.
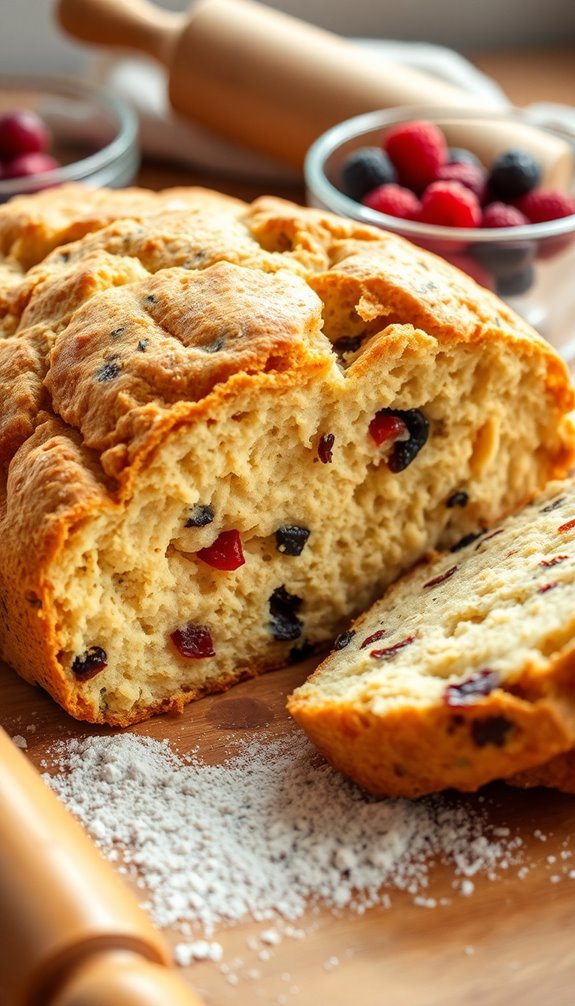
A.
x: 119, y: 978
x: 129, y: 24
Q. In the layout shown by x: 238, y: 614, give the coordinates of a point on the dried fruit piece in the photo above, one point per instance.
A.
x: 379, y: 634
x: 490, y: 730
x: 391, y: 424
x: 554, y: 561
x: 94, y: 660
x: 344, y: 639
x: 389, y: 651
x: 325, y: 448
x: 225, y: 553
x: 464, y: 694
x: 459, y: 498
x: 200, y: 515
x: 387, y: 425
x: 283, y: 606
x: 441, y: 578
x: 193, y: 641
x: 291, y: 539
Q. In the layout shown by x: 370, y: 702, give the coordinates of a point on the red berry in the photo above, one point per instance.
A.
x: 193, y: 641
x: 22, y: 132
x: 470, y: 175
x: 26, y: 165
x: 395, y: 200
x: 225, y: 552
x: 502, y: 215
x: 417, y: 149
x: 546, y: 204
x: 450, y: 204
x: 386, y: 426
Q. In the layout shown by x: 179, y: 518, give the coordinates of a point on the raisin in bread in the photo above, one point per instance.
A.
x: 464, y: 672
x: 226, y: 427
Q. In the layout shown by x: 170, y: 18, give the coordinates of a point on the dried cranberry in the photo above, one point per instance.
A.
x: 325, y: 448
x: 554, y: 561
x: 373, y: 638
x: 464, y: 694
x: 94, y: 660
x: 566, y: 527
x: 547, y: 586
x: 225, y: 553
x: 490, y: 730
x: 200, y: 515
x: 344, y: 639
x: 389, y: 651
x: 283, y: 606
x: 291, y: 538
x: 403, y: 451
x: 385, y: 426
x: 193, y: 641
x: 441, y: 578
x: 460, y: 498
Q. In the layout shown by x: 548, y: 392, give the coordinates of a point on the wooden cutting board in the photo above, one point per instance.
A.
x: 511, y: 941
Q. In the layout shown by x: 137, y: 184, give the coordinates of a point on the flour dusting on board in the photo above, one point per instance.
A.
x: 264, y: 833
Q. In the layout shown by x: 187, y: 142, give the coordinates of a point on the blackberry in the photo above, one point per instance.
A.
x: 364, y: 170
x: 513, y: 175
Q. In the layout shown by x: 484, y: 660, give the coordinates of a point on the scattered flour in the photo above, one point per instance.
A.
x: 261, y: 835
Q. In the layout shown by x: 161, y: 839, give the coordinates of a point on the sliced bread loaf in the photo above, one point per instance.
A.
x: 465, y: 671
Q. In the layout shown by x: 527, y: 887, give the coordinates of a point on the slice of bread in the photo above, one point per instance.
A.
x: 464, y: 672
x: 227, y: 427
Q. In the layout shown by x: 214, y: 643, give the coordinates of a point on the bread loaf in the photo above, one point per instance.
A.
x: 465, y: 671
x: 226, y: 427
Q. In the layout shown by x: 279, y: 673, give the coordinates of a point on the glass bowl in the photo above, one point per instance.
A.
x: 94, y: 136
x: 531, y: 267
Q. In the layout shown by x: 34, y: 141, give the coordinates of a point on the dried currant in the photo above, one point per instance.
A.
x: 225, y: 553
x: 90, y: 663
x: 291, y: 539
x: 344, y: 639
x: 554, y: 505
x: 465, y: 693
x: 108, y: 371
x: 200, y: 515
x: 403, y: 451
x: 283, y: 606
x: 325, y: 448
x: 490, y: 730
x: 193, y: 641
x: 460, y: 498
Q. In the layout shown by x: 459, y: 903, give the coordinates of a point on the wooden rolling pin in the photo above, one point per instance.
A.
x: 72, y: 934
x: 275, y: 83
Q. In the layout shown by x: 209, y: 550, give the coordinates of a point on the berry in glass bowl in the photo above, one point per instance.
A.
x: 489, y: 191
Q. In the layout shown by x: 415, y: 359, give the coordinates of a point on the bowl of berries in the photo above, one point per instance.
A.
x: 55, y: 130
x: 490, y: 192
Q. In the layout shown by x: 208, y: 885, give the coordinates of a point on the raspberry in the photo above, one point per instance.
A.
x: 417, y: 149
x: 470, y: 175
x: 502, y: 215
x: 450, y: 204
x: 546, y: 204
x: 512, y: 175
x: 394, y: 200
x: 364, y: 170
x: 22, y: 132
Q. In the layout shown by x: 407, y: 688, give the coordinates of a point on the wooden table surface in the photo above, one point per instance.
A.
x: 510, y: 942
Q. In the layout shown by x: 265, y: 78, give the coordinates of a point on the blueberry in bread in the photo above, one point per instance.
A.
x: 464, y: 671
x: 226, y: 427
